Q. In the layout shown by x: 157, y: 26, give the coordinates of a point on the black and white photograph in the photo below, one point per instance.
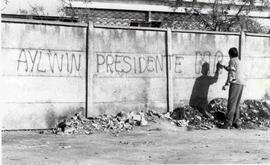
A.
x: 93, y: 82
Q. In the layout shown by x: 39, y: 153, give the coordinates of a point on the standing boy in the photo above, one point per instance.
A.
x: 236, y: 80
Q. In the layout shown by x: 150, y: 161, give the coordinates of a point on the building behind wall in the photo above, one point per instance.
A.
x: 177, y: 14
x: 163, y: 13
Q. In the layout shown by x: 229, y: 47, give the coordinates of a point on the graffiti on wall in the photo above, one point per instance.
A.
x: 212, y: 58
x: 137, y: 64
x: 48, y: 61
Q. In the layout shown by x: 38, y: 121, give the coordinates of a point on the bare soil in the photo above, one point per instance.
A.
x: 160, y: 143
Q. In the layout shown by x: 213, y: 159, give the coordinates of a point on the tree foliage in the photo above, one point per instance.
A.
x: 4, y: 3
x: 67, y: 9
x: 230, y: 16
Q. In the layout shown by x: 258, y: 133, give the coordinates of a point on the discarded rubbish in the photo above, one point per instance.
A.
x: 78, y: 124
x: 254, y: 114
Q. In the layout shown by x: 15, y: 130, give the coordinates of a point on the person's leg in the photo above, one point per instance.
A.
x: 237, y: 121
x: 231, y: 107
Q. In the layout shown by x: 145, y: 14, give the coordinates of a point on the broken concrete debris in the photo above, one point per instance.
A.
x: 78, y: 124
x: 254, y: 114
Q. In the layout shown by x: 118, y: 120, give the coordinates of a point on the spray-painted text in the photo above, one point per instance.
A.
x: 47, y: 61
x: 137, y: 64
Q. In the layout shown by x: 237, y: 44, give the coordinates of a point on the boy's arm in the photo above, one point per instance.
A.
x: 228, y: 78
x: 230, y: 69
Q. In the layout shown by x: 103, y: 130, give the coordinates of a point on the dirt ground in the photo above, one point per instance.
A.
x: 159, y: 143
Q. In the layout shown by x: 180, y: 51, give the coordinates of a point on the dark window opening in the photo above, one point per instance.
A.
x: 156, y: 24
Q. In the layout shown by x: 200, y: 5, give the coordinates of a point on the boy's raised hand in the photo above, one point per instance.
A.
x: 219, y: 65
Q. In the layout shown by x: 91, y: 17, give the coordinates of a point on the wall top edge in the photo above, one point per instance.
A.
x: 42, y: 22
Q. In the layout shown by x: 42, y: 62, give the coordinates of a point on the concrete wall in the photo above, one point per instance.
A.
x: 129, y: 71
x: 196, y: 56
x: 43, y: 74
x: 256, y: 57
x: 43, y: 70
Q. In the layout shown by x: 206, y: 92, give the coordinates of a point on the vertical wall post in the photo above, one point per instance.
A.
x: 149, y: 16
x: 89, y: 69
x: 169, y: 70
x: 242, y: 44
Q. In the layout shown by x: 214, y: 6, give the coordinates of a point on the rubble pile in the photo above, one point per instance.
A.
x: 253, y: 115
x: 196, y: 120
x: 218, y: 108
x: 153, y: 116
x: 183, y: 117
x: 78, y: 124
